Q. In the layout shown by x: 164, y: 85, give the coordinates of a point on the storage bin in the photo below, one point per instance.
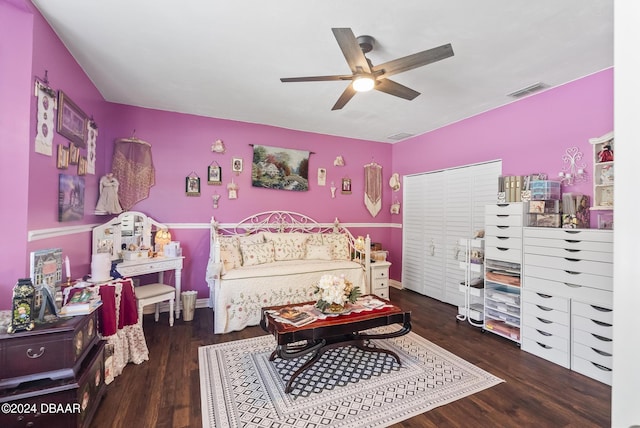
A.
x: 543, y: 220
x: 545, y: 189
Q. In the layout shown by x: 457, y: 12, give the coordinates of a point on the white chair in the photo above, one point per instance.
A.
x: 155, y: 294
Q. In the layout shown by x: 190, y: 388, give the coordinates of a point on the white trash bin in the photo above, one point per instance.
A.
x: 188, y: 304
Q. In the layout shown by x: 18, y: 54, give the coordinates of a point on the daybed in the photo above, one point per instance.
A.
x: 275, y: 258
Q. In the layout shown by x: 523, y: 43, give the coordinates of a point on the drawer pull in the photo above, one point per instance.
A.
x: 502, y: 227
x: 600, y: 308
x: 502, y: 215
x: 606, y: 369
x: 544, y: 308
x: 602, y: 324
x: 542, y: 320
x: 571, y: 250
x: 601, y: 338
x: 502, y: 249
x: 502, y: 237
x: 543, y: 346
x: 30, y: 353
x: 572, y: 260
x: 572, y: 241
x: 544, y: 333
x: 570, y: 272
x: 604, y: 354
x: 573, y: 285
x: 573, y: 232
x: 544, y: 296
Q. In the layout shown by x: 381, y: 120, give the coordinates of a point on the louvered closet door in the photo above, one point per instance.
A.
x: 423, y: 255
x: 439, y: 209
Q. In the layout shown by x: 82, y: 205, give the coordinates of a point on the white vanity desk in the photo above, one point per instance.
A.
x: 159, y: 265
x: 133, y: 228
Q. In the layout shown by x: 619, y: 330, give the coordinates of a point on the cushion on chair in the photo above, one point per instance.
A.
x: 153, y: 290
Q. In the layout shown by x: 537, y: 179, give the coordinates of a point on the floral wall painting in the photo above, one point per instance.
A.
x: 280, y: 168
x: 72, y: 122
x: 192, y: 185
x: 63, y: 157
x: 70, y: 197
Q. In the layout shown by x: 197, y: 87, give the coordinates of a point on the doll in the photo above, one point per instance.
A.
x: 606, y: 154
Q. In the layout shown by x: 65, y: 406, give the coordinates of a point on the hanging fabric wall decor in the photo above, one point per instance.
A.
x: 373, y: 188
x: 133, y: 168
x: 44, y: 132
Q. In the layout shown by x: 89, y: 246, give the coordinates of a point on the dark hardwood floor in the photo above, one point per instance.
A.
x: 165, y: 391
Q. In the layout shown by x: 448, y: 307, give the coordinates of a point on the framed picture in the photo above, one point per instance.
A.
x: 214, y: 174
x: 82, y: 165
x: 346, y: 186
x: 192, y: 186
x: 236, y: 165
x: 72, y: 122
x: 63, y: 157
x: 74, y: 154
x: 70, y: 197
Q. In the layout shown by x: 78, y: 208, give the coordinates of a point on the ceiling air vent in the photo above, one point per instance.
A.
x: 399, y: 136
x: 528, y: 90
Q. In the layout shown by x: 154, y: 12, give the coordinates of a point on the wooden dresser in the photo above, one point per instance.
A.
x: 52, y: 375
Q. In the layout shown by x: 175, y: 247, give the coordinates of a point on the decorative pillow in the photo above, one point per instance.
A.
x: 230, y: 253
x: 319, y: 252
x: 288, y: 246
x: 339, y: 244
x: 314, y: 238
x: 257, y: 238
x: 257, y: 254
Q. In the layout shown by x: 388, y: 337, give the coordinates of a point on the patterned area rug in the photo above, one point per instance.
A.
x: 347, y: 387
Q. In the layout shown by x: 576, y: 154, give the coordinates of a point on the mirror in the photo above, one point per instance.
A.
x: 130, y: 231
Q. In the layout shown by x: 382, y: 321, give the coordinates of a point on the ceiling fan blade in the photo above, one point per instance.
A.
x: 315, y: 78
x: 344, y: 98
x: 351, y: 50
x: 393, y: 88
x: 414, y: 61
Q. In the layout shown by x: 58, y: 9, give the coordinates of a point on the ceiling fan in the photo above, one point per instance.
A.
x: 365, y: 76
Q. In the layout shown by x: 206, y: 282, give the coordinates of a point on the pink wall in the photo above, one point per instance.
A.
x: 529, y: 135
x: 15, y: 66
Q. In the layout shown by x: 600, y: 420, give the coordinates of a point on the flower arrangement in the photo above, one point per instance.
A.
x: 334, y: 292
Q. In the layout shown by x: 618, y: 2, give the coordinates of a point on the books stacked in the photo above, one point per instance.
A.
x: 294, y: 316
x: 82, y: 302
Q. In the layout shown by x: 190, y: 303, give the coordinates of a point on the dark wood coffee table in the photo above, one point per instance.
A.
x: 333, y: 332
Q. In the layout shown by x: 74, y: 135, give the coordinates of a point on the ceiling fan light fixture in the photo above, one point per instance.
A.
x: 363, y: 83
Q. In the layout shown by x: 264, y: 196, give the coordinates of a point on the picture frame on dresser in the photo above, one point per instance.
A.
x: 72, y: 121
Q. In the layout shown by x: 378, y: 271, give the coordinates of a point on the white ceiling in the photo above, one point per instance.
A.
x: 224, y: 59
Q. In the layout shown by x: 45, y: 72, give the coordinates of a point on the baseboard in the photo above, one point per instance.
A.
x: 164, y: 306
x: 395, y: 284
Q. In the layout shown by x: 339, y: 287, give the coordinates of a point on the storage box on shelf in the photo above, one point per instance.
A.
x: 472, y: 262
x: 567, y: 311
x: 503, y: 263
x: 603, y: 178
x: 542, y: 213
x: 544, y: 189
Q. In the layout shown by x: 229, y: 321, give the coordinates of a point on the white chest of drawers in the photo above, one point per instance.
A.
x: 568, y: 298
x: 380, y: 279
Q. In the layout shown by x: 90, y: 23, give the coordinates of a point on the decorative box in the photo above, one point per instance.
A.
x: 379, y: 256
x: 65, y: 403
x: 135, y: 255
x: 545, y: 189
x: 51, y: 350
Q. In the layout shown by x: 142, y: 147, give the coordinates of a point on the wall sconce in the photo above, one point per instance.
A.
x: 574, y: 169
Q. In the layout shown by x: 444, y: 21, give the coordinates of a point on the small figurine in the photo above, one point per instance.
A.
x: 606, y: 154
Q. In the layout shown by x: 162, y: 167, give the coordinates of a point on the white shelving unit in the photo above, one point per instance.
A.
x: 503, y: 269
x: 472, y: 286
x: 603, y: 180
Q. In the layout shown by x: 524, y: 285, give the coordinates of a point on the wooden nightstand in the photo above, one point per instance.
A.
x: 380, y: 279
